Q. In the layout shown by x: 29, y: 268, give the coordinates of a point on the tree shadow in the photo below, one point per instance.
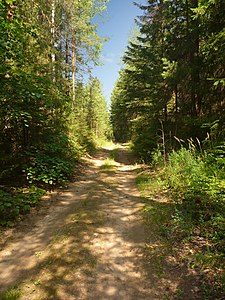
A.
x: 92, y: 245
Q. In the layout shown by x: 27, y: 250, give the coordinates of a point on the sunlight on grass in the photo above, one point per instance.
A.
x: 108, y: 164
x: 182, y: 208
x: 106, y: 144
x: 149, y: 185
x: 12, y: 294
x: 114, y: 155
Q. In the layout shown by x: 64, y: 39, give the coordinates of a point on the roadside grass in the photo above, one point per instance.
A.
x: 185, y: 208
x: 15, y: 202
x: 11, y: 294
x: 68, y: 250
x: 148, y: 183
x: 108, y: 164
x: 114, y: 155
x: 102, y: 143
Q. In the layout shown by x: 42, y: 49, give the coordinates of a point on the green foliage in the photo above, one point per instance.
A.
x: 172, y: 75
x: 185, y: 201
x: 43, y: 124
x: 119, y: 113
x: 52, y: 163
x: 98, y: 117
x: 48, y: 170
x: 44, y: 120
x: 12, y: 294
x: 17, y: 201
x: 108, y: 164
x: 144, y: 139
x: 114, y: 154
x: 89, y: 119
x: 197, y: 187
x: 184, y: 171
x: 148, y: 184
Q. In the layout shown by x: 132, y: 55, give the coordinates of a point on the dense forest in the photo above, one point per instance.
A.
x: 51, y: 108
x: 173, y: 77
x: 169, y: 101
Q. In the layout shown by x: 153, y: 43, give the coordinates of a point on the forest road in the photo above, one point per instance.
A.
x: 88, y: 244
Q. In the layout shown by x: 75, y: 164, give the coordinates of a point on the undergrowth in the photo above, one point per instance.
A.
x: 45, y: 166
x: 15, y: 202
x: 114, y: 155
x: 12, y: 294
x: 51, y: 163
x: 108, y: 164
x: 194, y: 209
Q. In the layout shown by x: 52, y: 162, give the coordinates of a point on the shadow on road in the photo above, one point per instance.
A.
x: 92, y: 245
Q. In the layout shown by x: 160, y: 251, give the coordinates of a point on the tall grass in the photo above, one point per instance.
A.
x: 197, y: 183
x: 193, y: 184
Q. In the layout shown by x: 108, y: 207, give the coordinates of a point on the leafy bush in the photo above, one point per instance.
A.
x: 12, y: 294
x: 145, y: 138
x: 188, y: 207
x: 15, y: 202
x: 198, y: 187
x: 53, y: 163
x: 48, y: 170
x: 183, y: 171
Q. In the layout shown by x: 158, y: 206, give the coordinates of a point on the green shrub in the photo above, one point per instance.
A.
x: 198, y: 188
x: 53, y: 163
x: 48, y: 170
x: 184, y: 171
x: 192, y: 187
x: 15, y: 202
x: 196, y: 185
x: 12, y: 294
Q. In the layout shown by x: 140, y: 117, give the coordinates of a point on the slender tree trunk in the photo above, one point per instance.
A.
x: 165, y: 113
x: 53, y: 40
x: 176, y: 109
x: 73, y: 68
x: 67, y: 55
x: 59, y: 59
x: 193, y: 40
x: 176, y: 98
x: 194, y: 60
x: 164, y: 144
x: 187, y: 18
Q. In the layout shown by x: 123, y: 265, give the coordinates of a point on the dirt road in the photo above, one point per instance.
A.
x: 88, y: 244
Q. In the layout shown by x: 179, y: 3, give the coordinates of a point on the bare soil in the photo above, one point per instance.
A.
x: 89, y: 241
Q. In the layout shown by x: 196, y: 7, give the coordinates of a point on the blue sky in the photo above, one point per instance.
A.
x: 119, y: 21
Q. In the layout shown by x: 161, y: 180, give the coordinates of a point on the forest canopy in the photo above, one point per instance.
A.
x: 51, y: 108
x: 169, y: 101
x: 173, y: 77
x: 46, y: 48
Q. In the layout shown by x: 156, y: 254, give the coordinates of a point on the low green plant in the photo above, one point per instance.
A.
x: 195, y: 207
x: 198, y: 191
x: 15, y: 202
x: 52, y: 163
x: 108, y: 164
x: 180, y: 293
x: 149, y: 184
x: 48, y: 170
x: 12, y: 294
x: 114, y: 155
x: 157, y: 159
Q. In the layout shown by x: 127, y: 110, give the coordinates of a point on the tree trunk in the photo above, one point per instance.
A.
x: 73, y: 68
x: 53, y: 40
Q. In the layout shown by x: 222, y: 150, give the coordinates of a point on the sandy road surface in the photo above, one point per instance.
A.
x: 88, y: 244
